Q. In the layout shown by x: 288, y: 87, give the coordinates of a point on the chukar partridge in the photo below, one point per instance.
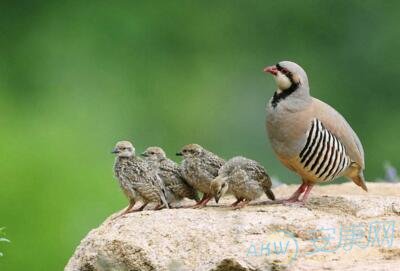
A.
x: 199, y: 167
x: 171, y: 175
x: 246, y: 179
x: 309, y: 136
x: 137, y: 179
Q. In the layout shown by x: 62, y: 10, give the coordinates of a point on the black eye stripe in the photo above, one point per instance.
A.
x: 283, y: 70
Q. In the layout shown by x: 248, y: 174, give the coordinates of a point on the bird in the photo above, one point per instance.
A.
x: 246, y: 179
x: 137, y: 179
x: 199, y: 167
x: 171, y: 175
x: 309, y: 136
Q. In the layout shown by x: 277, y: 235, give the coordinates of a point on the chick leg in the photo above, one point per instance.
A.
x: 201, y: 201
x: 130, y: 206
x: 141, y: 208
x: 204, y: 201
x: 160, y: 206
x: 236, y: 202
x: 241, y: 204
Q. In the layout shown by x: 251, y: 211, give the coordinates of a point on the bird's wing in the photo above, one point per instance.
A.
x: 146, y: 181
x: 227, y: 168
x: 213, y: 164
x: 337, y: 125
x: 173, y: 179
x: 259, y: 174
x: 161, y: 189
x: 170, y: 172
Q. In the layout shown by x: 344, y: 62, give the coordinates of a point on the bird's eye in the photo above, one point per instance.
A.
x: 284, y: 70
x: 152, y: 152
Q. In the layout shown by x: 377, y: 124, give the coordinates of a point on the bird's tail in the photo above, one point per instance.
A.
x: 165, y: 202
x: 360, y: 181
x: 164, y: 196
x: 266, y: 184
x: 270, y: 194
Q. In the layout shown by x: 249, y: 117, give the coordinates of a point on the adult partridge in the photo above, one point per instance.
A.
x: 309, y: 136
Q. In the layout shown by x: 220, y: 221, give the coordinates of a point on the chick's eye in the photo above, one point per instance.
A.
x: 151, y: 152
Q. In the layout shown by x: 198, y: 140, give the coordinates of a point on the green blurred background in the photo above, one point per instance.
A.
x: 76, y: 76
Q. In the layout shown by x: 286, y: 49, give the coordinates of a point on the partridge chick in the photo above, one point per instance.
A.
x: 170, y: 173
x: 309, y: 136
x: 137, y: 179
x: 199, y: 168
x: 246, y: 179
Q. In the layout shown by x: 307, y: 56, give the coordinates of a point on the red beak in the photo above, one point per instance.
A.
x: 272, y: 70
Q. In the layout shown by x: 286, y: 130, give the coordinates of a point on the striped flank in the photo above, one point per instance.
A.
x: 323, y: 154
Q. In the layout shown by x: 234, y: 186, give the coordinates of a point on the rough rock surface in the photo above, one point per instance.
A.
x: 355, y: 230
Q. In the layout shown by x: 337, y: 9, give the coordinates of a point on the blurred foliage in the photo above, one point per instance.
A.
x: 76, y: 76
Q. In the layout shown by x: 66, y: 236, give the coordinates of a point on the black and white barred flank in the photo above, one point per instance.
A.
x: 323, y: 155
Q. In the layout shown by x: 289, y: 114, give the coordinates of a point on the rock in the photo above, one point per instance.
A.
x: 356, y: 230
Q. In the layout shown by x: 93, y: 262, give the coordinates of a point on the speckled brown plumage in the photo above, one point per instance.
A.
x: 171, y: 175
x: 246, y: 179
x: 199, y: 168
x: 137, y: 179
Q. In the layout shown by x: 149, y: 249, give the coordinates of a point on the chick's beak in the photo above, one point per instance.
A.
x: 144, y: 154
x: 178, y: 154
x: 114, y: 151
x: 272, y: 70
x: 216, y: 199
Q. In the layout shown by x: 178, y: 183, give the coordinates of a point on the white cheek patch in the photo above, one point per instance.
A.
x: 282, y: 81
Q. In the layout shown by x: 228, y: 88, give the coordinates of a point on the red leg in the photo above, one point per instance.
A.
x: 307, y: 193
x: 140, y: 208
x: 296, y: 201
x: 128, y: 209
x: 236, y: 202
x: 205, y: 196
x: 296, y: 195
x: 241, y: 204
x: 130, y: 206
x: 203, y: 202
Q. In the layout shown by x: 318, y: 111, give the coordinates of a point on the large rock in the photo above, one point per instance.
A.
x: 353, y: 228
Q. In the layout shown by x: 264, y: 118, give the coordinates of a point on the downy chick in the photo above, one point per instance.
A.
x: 137, y: 179
x: 170, y: 173
x: 246, y: 179
x: 199, y: 168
